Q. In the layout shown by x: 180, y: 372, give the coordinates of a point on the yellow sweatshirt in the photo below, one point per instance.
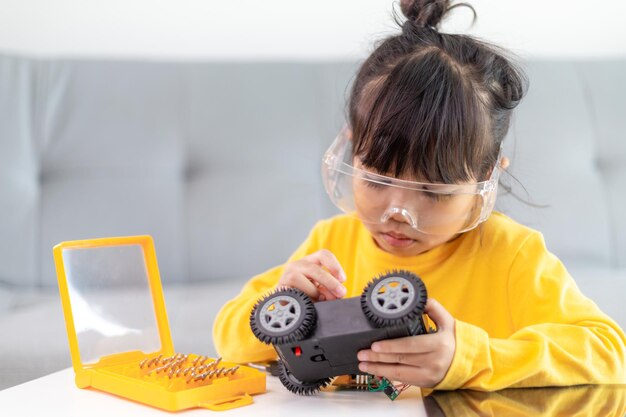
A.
x: 521, y: 320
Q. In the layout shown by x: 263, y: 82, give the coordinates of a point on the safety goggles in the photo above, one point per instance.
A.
x: 430, y: 208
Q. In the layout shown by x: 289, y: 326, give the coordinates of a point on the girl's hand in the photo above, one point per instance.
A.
x: 421, y: 360
x: 319, y: 275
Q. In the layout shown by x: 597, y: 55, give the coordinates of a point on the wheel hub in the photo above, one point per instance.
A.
x: 280, y: 314
x: 393, y: 295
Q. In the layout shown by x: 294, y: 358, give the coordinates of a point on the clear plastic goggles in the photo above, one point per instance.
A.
x: 430, y: 208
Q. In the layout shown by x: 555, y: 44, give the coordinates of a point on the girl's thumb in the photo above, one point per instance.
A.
x: 438, y: 314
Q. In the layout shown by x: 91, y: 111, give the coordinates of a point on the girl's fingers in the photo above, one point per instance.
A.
x: 304, y: 276
x: 324, y: 279
x: 442, y: 318
x: 414, y: 359
x: 327, y: 259
x: 319, y: 275
x: 325, y: 294
x: 415, y: 344
x: 422, y: 377
x: 301, y: 282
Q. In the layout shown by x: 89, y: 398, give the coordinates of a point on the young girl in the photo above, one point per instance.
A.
x: 416, y: 172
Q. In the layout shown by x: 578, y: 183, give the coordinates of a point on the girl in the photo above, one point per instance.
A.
x: 416, y: 171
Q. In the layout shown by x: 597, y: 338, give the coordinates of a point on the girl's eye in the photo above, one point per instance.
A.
x: 439, y: 197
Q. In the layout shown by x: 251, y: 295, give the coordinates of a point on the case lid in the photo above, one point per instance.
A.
x: 112, y: 299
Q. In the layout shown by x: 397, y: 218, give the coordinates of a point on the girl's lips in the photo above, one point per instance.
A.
x: 397, y: 240
x: 397, y: 235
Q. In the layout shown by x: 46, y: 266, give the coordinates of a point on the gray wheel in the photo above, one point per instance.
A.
x: 287, y: 315
x: 394, y: 298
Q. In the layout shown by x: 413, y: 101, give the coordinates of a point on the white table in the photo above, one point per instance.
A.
x: 56, y: 395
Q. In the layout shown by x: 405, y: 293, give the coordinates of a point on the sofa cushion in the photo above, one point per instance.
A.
x: 553, y: 151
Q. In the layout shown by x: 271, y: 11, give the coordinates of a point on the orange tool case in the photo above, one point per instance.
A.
x: 119, y: 336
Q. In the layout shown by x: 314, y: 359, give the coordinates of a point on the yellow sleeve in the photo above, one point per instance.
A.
x: 562, y: 338
x: 233, y: 339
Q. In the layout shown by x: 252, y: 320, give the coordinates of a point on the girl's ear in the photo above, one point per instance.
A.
x: 504, y: 164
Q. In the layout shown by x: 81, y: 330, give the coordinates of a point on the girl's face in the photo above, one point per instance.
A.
x: 442, y: 213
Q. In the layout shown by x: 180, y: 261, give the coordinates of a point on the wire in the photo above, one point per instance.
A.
x: 403, y: 387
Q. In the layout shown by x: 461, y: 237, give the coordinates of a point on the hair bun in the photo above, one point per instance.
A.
x: 425, y: 12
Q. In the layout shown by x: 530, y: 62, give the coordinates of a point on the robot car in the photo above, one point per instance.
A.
x: 318, y: 341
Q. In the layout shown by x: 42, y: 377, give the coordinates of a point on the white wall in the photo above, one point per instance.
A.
x: 293, y: 29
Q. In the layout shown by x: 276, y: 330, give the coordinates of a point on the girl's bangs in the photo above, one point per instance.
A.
x: 423, y: 121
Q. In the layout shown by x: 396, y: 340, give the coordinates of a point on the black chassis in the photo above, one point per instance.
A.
x: 342, y: 330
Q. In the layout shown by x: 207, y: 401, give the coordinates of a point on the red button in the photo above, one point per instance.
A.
x: 297, y: 351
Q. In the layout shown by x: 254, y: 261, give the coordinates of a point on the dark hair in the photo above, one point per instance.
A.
x: 433, y: 105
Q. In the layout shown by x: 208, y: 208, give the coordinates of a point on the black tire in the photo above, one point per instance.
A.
x: 395, y: 298
x: 296, y: 386
x: 293, y: 322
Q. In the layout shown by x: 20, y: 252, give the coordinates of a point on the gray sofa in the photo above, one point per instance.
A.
x: 219, y: 162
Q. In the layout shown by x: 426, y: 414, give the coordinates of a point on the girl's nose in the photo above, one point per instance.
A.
x: 399, y: 214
